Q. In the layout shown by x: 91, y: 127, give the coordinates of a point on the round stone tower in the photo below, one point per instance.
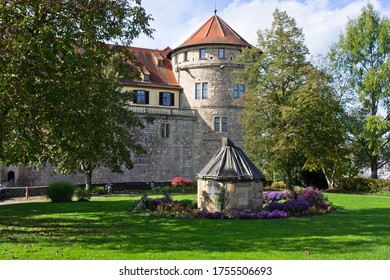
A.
x: 204, y: 66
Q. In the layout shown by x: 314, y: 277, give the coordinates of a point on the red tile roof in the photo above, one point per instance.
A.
x: 215, y: 31
x: 159, y: 75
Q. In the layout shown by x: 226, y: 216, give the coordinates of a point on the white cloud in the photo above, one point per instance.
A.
x: 321, y: 20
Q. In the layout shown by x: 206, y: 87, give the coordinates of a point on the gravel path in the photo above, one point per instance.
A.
x: 23, y: 200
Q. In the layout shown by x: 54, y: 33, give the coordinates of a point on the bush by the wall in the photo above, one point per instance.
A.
x: 100, y: 190
x: 278, y: 185
x: 82, y: 194
x: 60, y: 191
x: 360, y: 185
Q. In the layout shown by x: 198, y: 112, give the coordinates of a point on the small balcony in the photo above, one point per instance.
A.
x: 148, y: 110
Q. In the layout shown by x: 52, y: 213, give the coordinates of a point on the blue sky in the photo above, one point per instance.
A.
x: 321, y: 20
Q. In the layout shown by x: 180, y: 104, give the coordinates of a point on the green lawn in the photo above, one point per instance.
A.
x: 102, y: 229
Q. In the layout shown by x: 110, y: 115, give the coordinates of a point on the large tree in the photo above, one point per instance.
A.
x: 361, y: 57
x: 60, y: 97
x: 290, y: 112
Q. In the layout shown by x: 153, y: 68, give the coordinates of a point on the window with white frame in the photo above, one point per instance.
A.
x: 221, y: 124
x: 238, y: 91
x: 205, y: 89
x: 202, y: 53
x: 140, y: 159
x: 197, y: 90
x: 221, y: 53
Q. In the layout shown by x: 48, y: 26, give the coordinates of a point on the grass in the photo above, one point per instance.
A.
x: 102, y: 229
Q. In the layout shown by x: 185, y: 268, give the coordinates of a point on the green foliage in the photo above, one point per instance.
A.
x: 222, y: 199
x: 278, y: 185
x: 290, y: 113
x: 60, y: 191
x: 174, y: 189
x: 364, y: 185
x: 361, y: 57
x: 100, y: 190
x: 189, y: 203
x: 82, y: 194
x: 60, y: 85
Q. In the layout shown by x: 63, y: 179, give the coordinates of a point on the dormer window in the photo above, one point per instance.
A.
x: 158, y: 59
x: 145, y: 75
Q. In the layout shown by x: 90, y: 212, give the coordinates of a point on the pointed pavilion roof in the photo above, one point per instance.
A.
x: 214, y: 31
x: 230, y: 164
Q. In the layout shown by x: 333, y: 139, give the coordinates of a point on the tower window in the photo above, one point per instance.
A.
x: 217, y: 124
x: 221, y: 53
x: 201, y: 90
x: 238, y: 91
x: 197, y: 90
x: 202, y: 53
x: 221, y: 124
x: 242, y: 90
x: 205, y: 87
x: 185, y: 56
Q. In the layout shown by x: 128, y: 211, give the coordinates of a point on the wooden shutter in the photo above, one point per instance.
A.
x: 161, y: 102
x: 172, y: 99
x: 146, y: 97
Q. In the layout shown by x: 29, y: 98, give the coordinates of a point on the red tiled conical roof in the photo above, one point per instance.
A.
x: 215, y: 31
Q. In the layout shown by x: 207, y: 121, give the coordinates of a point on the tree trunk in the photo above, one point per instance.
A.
x: 329, y: 179
x: 374, y: 167
x: 289, y: 180
x: 88, y: 179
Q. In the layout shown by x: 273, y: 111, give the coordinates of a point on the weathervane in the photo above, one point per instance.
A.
x: 215, y: 10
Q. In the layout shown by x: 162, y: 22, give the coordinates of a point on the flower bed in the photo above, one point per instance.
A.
x: 308, y: 201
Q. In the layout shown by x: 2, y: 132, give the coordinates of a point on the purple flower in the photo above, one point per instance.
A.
x: 213, y: 215
x: 275, y: 196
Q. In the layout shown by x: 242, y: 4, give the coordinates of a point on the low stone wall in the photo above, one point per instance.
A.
x: 242, y: 195
x: 21, y: 192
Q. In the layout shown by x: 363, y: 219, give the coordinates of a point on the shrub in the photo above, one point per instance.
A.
x: 275, y: 196
x: 305, y: 201
x: 278, y: 185
x: 312, y: 196
x: 150, y: 204
x: 359, y: 185
x: 189, y: 203
x: 60, y: 191
x: 294, y: 207
x: 180, y: 182
x: 82, y: 194
x: 100, y: 190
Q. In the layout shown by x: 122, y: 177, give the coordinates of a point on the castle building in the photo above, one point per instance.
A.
x: 188, y: 100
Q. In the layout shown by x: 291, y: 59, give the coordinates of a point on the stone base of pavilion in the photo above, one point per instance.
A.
x: 242, y: 195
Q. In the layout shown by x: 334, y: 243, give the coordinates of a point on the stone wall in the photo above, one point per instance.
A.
x: 166, y: 158
x: 242, y: 195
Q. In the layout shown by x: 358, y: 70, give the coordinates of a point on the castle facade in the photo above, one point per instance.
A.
x: 188, y: 100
